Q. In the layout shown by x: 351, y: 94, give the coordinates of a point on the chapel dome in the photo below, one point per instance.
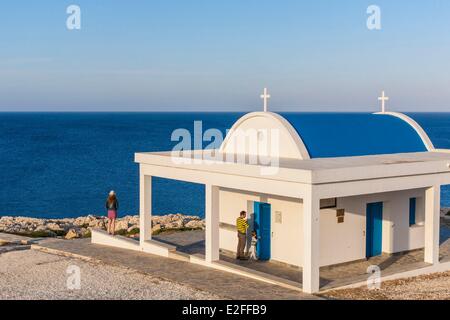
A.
x: 327, y: 135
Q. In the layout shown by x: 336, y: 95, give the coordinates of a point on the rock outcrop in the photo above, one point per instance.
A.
x: 72, y: 228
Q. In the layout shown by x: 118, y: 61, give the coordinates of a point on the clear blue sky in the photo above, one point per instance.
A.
x: 218, y: 55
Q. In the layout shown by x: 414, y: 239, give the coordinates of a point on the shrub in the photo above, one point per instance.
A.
x: 87, y: 234
x: 42, y: 234
x: 155, y: 233
x: 133, y: 232
x: 121, y: 233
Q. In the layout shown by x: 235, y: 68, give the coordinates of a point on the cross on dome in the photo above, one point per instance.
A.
x: 265, y: 97
x: 383, y: 100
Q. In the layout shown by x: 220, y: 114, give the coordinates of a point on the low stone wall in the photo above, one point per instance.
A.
x: 71, y: 228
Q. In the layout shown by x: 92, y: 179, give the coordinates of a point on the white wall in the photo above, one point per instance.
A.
x: 347, y: 241
x: 286, y: 242
x: 339, y: 242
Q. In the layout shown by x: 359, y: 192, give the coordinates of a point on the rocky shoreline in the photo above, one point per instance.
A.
x: 72, y: 228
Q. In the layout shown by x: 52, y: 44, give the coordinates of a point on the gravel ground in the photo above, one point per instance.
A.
x: 431, y: 287
x: 34, y: 275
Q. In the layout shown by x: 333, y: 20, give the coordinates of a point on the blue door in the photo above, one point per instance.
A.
x: 262, y: 219
x: 374, y: 229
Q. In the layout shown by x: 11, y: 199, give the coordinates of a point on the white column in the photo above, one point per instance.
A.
x: 145, y: 207
x: 311, y: 241
x: 388, y: 229
x: 432, y: 221
x: 212, y: 223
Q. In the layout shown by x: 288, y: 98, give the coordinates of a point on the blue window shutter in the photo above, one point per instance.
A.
x: 412, y: 211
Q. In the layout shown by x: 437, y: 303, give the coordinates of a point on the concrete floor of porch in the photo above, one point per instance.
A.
x: 193, y: 243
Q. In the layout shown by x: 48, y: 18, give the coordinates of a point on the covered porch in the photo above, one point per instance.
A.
x: 310, y: 181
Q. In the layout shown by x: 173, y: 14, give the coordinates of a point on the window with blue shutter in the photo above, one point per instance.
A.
x: 412, y: 211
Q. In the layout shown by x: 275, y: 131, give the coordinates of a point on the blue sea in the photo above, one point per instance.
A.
x: 64, y: 164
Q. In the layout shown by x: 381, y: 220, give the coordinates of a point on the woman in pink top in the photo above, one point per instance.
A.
x: 112, y: 205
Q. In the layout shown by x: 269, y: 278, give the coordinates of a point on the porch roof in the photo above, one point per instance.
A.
x: 311, y: 171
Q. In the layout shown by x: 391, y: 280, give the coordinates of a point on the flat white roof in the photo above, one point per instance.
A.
x: 313, y: 171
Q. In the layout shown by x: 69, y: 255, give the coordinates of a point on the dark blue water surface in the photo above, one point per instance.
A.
x: 64, y: 164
